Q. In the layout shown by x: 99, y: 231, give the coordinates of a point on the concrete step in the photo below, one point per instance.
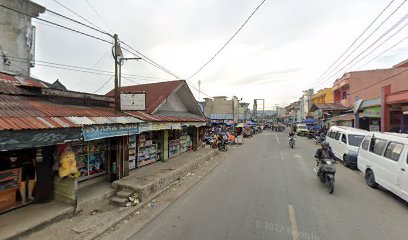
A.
x: 119, y: 201
x: 124, y: 194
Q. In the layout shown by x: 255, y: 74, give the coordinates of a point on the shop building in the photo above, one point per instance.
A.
x: 52, y: 140
x: 327, y: 112
x: 174, y: 122
x: 387, y: 88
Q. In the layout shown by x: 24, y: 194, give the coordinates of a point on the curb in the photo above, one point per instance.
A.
x: 97, y: 234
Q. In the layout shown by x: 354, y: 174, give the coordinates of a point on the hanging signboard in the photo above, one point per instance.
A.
x: 13, y: 140
x: 133, y: 101
x: 373, y: 112
x: 99, y: 132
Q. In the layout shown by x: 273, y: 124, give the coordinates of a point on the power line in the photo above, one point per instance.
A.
x: 229, y: 40
x: 80, y: 69
x: 359, y: 45
x: 96, y: 12
x: 78, y: 22
x: 371, y: 45
x: 56, y: 24
x: 104, y: 84
x: 383, y: 80
x: 352, y: 44
x: 76, y: 14
x: 386, y: 40
x: 148, y: 60
x: 378, y: 39
x: 405, y: 38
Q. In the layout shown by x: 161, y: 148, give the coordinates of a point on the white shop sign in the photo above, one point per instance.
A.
x: 133, y: 101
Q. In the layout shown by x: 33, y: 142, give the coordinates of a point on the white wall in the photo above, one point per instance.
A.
x: 174, y: 103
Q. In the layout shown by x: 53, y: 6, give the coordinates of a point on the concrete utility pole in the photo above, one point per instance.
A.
x: 115, y: 56
x: 119, y: 59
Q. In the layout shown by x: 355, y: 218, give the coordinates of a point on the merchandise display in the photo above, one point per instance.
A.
x: 132, y: 152
x: 148, y: 149
x: 9, y: 184
x: 181, y: 143
x: 91, y: 158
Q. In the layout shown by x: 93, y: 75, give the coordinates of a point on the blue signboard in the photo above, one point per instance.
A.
x: 99, y: 132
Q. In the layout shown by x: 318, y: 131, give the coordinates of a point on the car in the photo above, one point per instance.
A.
x: 383, y: 159
x: 345, y: 142
x: 301, y: 130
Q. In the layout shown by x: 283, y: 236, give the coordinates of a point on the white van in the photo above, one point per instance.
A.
x: 345, y: 142
x: 301, y: 129
x: 383, y: 158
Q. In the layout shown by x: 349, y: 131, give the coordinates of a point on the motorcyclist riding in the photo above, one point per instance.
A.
x: 324, y: 152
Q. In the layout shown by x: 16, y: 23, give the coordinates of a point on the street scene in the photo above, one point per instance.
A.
x: 263, y: 119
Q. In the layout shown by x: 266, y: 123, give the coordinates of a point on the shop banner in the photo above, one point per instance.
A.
x: 145, y: 127
x: 13, y: 140
x: 176, y: 126
x: 99, y: 132
x: 374, y: 112
x: 194, y: 124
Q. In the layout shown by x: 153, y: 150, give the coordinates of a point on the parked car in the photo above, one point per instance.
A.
x: 383, y: 158
x: 345, y: 142
x: 301, y: 130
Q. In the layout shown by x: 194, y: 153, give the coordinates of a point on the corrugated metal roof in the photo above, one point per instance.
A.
x: 154, y: 118
x: 156, y: 93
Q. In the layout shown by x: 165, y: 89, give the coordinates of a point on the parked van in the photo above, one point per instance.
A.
x: 383, y: 158
x: 345, y: 142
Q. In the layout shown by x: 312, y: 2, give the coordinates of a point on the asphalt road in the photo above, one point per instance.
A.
x: 264, y: 190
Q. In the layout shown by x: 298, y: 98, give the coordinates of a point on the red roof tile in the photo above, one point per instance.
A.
x: 156, y: 93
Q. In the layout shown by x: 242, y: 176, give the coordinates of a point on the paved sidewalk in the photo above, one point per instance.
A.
x: 30, y: 217
x: 94, y: 220
x: 155, y: 177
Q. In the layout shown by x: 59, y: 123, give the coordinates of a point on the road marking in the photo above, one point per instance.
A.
x: 293, y: 224
x: 277, y: 139
x: 281, y: 153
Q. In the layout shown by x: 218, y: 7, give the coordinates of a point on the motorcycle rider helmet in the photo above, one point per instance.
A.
x: 325, y: 144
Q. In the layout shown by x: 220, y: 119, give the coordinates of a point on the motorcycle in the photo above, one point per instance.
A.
x: 222, y: 147
x: 292, y: 142
x: 327, y: 172
x: 319, y: 139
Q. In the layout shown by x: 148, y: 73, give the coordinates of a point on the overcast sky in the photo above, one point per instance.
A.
x: 282, y: 50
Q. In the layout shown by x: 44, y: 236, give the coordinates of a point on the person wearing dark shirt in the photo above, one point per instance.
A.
x: 324, y: 152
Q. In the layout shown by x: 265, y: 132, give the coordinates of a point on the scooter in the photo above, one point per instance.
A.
x: 292, y: 141
x: 327, y: 172
x: 222, y: 147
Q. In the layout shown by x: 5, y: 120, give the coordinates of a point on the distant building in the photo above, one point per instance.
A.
x: 17, y: 38
x: 305, y: 102
x: 323, y: 96
x: 221, y: 109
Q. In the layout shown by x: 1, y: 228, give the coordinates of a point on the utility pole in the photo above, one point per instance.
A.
x: 199, y: 90
x: 117, y: 90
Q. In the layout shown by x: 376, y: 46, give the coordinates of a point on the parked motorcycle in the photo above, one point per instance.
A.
x: 327, y: 172
x: 292, y: 142
x: 222, y: 147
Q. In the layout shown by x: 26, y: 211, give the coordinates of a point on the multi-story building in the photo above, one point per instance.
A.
x: 221, y: 109
x: 384, y: 93
x: 324, y: 95
x: 305, y: 102
x: 244, y: 112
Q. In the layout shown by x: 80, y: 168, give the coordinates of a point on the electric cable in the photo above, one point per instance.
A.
x: 229, y: 40
x: 354, y: 42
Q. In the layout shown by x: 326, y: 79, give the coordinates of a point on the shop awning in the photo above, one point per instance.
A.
x: 347, y: 117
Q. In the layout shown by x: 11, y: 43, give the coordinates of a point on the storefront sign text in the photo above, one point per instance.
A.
x: 12, y: 140
x: 99, y: 132
x: 374, y: 112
